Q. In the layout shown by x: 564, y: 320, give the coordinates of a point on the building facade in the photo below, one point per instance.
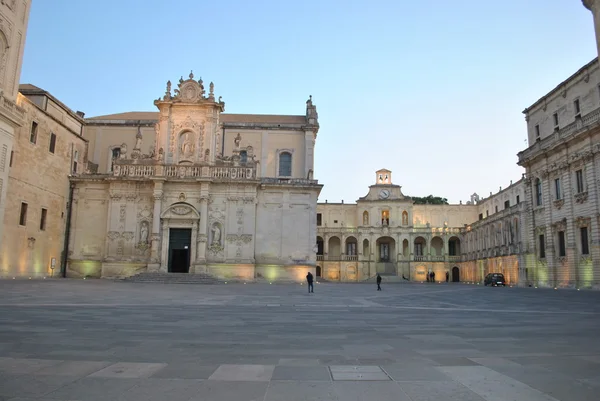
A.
x: 47, y: 149
x: 192, y: 189
x: 385, y: 233
x: 561, y: 186
x: 14, y: 16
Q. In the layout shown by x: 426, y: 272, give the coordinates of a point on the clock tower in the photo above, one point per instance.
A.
x: 384, y: 189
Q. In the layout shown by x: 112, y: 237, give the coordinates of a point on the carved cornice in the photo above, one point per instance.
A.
x: 583, y: 221
x: 559, y: 203
x: 539, y: 230
x: 581, y: 197
x: 560, y: 225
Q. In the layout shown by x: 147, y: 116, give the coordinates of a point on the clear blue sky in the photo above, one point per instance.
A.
x: 432, y: 90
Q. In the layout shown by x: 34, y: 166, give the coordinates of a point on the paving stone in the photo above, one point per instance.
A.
x: 212, y: 390
x: 129, y: 370
x: 369, y: 391
x: 301, y: 391
x: 358, y: 373
x: 93, y: 389
x: 243, y: 373
x: 23, y: 365
x: 186, y: 370
x: 446, y: 391
x: 301, y: 373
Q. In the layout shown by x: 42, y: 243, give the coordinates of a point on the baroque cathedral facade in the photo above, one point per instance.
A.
x: 192, y: 189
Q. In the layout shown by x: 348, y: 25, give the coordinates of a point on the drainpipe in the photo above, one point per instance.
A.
x: 63, y: 264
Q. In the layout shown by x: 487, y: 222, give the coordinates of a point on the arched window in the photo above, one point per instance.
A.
x: 243, y: 156
x: 285, y: 164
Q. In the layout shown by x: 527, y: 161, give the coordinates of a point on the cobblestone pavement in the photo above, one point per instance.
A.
x: 104, y: 340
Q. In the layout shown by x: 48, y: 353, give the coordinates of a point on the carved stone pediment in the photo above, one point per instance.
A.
x: 181, y: 210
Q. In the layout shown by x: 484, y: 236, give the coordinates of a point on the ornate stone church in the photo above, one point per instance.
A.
x: 190, y: 188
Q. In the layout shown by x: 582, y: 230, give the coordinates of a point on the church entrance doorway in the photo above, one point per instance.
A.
x: 180, y: 241
x: 318, y: 271
x: 455, y: 274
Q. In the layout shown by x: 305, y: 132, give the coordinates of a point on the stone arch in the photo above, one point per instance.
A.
x: 285, y: 163
x: 420, y: 245
x: 437, y: 245
x: 335, y: 247
x: 180, y: 216
x: 114, y: 152
x: 455, y: 274
x: 386, y: 249
x: 351, y: 246
x: 365, y: 248
x: 180, y: 210
x: 318, y: 272
x: 405, y: 247
x: 186, y: 145
x: 365, y: 217
x: 454, y: 246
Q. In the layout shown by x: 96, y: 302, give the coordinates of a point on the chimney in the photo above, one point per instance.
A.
x: 80, y: 113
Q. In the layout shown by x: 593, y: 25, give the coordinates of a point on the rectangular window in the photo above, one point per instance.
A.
x: 579, y: 179
x: 555, y: 117
x: 562, y: 251
x: 319, y: 219
x: 74, y: 167
x: 33, y: 134
x: 43, y: 219
x: 538, y: 192
x: 23, y: 215
x: 52, y: 143
x: 577, y: 108
x: 557, y: 188
x: 496, y: 209
x: 334, y: 221
x: 12, y: 152
x: 542, y: 245
x: 507, y: 204
x: 480, y: 216
x: 537, y: 131
x: 487, y: 213
x: 518, y: 199
x: 243, y: 156
x: 585, y: 246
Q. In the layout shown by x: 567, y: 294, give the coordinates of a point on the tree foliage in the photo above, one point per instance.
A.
x: 429, y: 200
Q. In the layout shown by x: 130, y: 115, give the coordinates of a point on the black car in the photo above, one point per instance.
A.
x: 495, y: 279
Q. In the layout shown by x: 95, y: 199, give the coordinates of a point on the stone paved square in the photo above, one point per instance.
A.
x: 107, y: 340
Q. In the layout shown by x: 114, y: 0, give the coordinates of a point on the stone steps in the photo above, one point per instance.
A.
x: 172, y: 278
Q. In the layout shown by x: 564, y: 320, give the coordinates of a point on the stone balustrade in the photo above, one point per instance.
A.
x: 184, y: 171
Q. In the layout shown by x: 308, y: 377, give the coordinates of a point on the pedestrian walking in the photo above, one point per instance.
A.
x: 378, y: 282
x: 309, y: 280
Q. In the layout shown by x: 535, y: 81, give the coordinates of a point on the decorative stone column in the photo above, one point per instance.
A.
x: 202, y: 237
x: 155, y: 252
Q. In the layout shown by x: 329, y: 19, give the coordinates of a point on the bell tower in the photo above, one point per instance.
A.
x: 383, y: 177
x: 594, y: 7
x: 188, y: 130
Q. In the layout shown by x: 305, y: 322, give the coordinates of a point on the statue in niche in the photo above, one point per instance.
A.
x: 138, y: 140
x: 161, y: 154
x: 206, y: 155
x: 144, y: 232
x: 216, y: 235
x: 237, y: 141
x: 123, y: 154
x: 187, y: 147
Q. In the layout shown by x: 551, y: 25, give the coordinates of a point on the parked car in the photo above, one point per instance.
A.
x: 495, y: 279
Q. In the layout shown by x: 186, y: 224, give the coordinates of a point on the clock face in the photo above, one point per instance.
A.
x: 384, y: 193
